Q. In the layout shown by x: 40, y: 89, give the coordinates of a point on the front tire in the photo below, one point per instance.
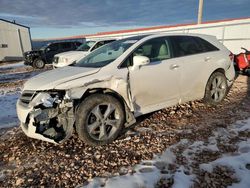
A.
x: 38, y: 63
x: 216, y: 88
x: 99, y: 119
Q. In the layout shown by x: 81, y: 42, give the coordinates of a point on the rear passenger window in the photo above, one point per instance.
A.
x: 185, y: 45
x: 155, y: 49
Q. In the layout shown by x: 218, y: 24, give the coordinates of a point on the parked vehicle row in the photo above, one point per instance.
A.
x: 61, y: 53
x: 38, y: 58
x: 106, y: 90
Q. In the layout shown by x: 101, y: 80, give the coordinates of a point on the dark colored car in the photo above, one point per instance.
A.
x: 38, y: 58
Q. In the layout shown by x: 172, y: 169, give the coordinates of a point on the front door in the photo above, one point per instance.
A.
x: 156, y: 85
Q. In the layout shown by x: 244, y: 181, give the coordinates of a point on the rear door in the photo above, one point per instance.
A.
x: 195, y: 61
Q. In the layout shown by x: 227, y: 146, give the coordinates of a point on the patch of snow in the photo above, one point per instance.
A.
x: 241, y: 126
x: 240, y: 161
x: 181, y: 180
x: 168, y: 157
x: 12, y: 65
x: 237, y: 164
x: 149, y: 172
x: 8, y: 116
x: 139, y: 179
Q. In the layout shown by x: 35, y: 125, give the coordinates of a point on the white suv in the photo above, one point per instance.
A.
x: 110, y: 87
x: 68, y: 58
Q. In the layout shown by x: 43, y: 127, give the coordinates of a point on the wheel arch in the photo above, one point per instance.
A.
x: 108, y: 91
x: 221, y: 70
x: 130, y: 119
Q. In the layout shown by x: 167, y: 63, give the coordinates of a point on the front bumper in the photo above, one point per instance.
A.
x: 50, y: 121
x: 27, y: 122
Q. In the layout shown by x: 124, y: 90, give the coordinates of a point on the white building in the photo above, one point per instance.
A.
x: 233, y: 33
x: 14, y: 40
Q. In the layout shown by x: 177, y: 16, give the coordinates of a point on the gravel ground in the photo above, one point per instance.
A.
x: 26, y: 162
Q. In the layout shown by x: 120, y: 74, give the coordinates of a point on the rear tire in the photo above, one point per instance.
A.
x: 99, y: 119
x: 38, y: 63
x: 216, y: 89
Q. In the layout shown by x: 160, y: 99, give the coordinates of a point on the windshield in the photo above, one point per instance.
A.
x: 106, y: 54
x: 86, y: 46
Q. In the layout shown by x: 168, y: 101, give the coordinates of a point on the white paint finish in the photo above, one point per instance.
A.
x: 155, y: 84
x: 194, y: 75
x: 149, y: 88
x: 53, y: 78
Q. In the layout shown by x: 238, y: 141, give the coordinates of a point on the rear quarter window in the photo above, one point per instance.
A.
x: 205, y: 45
x: 189, y: 45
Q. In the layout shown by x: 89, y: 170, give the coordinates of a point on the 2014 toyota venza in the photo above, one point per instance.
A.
x: 122, y: 80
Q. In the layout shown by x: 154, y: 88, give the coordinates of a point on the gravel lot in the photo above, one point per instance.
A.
x: 26, y: 162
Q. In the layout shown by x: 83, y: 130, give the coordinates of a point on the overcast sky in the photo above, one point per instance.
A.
x: 57, y: 18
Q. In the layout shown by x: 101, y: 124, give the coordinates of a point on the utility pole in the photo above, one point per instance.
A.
x: 200, y: 12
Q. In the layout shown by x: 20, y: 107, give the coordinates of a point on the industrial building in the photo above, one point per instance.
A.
x: 233, y: 33
x: 14, y: 40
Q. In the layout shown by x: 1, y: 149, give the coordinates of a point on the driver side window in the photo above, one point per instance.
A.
x: 156, y: 49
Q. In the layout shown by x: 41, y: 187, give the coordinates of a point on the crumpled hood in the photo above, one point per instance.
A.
x: 50, y: 79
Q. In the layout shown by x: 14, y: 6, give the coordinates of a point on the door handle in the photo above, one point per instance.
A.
x: 207, y: 58
x: 172, y: 67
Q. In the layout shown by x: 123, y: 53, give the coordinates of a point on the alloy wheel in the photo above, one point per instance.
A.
x: 218, y: 88
x: 103, y: 121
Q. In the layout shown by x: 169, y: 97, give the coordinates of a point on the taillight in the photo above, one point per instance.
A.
x: 231, y: 56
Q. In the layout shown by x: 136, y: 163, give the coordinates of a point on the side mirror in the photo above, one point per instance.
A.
x: 139, y: 61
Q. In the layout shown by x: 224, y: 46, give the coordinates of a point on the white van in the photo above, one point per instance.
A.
x: 67, y: 58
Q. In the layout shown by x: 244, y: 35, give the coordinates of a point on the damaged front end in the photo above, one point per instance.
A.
x: 47, y: 115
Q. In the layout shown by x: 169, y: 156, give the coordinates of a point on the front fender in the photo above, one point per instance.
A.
x: 117, y: 85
